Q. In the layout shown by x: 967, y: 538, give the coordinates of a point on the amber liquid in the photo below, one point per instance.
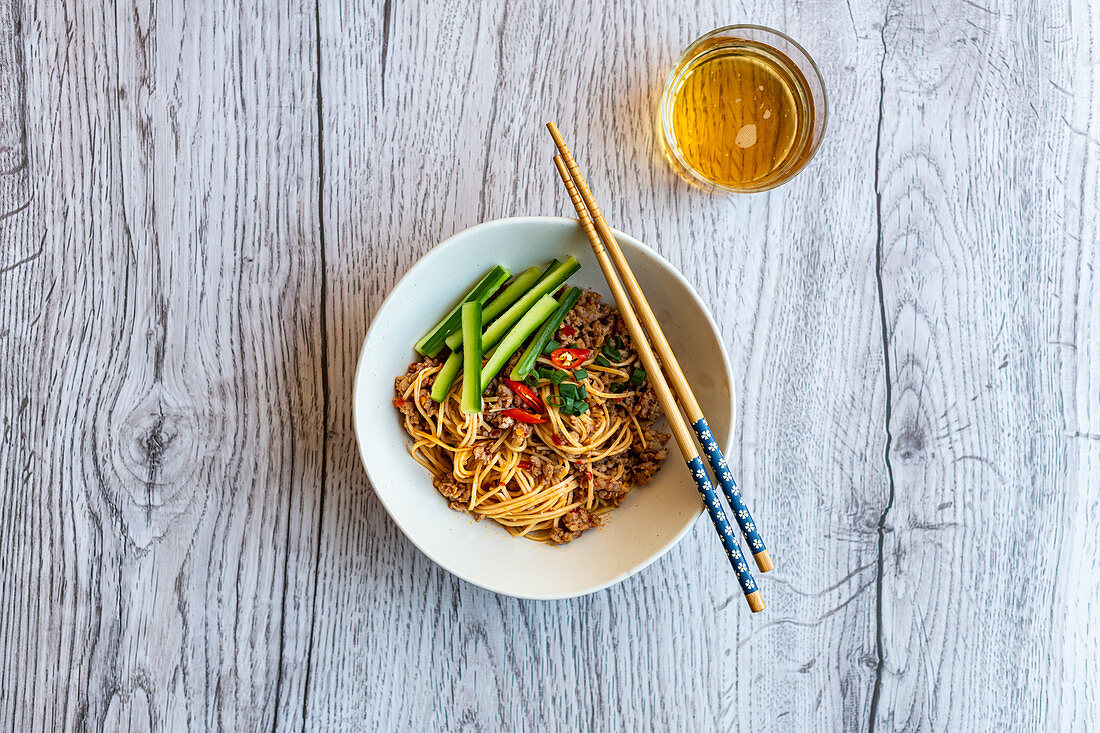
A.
x: 741, y: 116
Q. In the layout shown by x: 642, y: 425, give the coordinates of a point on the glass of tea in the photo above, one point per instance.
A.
x: 743, y: 110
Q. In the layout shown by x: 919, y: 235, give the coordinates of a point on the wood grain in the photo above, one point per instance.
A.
x: 161, y: 373
x: 202, y: 207
x: 974, y: 296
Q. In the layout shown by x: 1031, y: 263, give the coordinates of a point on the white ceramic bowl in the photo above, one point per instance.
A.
x: 653, y: 517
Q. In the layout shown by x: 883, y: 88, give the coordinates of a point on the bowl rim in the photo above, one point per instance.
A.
x: 431, y: 256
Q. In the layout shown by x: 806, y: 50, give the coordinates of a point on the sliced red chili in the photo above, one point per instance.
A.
x: 556, y: 439
x: 523, y: 416
x: 526, y: 395
x: 568, y: 331
x: 568, y: 358
x: 399, y: 402
x: 525, y: 465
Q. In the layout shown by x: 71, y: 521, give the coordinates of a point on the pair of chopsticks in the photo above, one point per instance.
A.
x: 635, y: 311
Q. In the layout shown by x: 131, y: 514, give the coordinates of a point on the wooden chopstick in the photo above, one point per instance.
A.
x: 675, y: 374
x: 666, y: 399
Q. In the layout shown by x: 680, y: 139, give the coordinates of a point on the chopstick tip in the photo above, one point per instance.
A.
x: 556, y: 134
x: 756, y: 601
x: 763, y: 561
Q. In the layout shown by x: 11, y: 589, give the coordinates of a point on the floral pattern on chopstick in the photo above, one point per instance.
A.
x: 729, y: 486
x: 725, y: 531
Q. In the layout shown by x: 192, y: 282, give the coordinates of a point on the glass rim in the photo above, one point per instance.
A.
x: 668, y: 138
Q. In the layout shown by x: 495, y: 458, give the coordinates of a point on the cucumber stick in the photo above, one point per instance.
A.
x: 431, y: 342
x: 471, y: 357
x: 553, y: 276
x: 445, y: 377
x: 527, y: 362
x: 523, y: 282
x: 511, y: 294
x: 497, y: 305
x: 496, y: 330
x: 513, y: 340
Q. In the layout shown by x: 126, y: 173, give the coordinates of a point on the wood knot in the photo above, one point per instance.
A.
x: 909, y: 445
x: 147, y: 463
x: 156, y: 456
x: 156, y: 443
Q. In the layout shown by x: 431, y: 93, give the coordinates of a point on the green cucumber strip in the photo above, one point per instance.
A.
x: 527, y: 362
x: 513, y: 340
x: 547, y: 270
x: 496, y: 330
x: 511, y: 294
x: 431, y: 342
x: 523, y: 282
x: 471, y: 358
x: 445, y: 377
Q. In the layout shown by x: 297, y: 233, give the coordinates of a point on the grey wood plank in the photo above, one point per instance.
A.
x: 456, y: 137
x: 160, y: 377
x: 1072, y: 699
x: 981, y: 262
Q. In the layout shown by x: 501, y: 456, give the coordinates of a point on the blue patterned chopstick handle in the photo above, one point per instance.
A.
x: 725, y: 531
x: 729, y: 487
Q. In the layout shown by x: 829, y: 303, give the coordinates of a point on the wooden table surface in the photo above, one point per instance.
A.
x: 203, y: 205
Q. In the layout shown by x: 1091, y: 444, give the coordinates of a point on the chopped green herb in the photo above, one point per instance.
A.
x: 581, y: 392
x: 566, y: 405
x: 616, y: 387
x: 580, y: 408
x: 557, y: 376
x: 532, y: 380
x: 611, y: 353
x: 601, y: 360
x: 551, y: 345
x: 568, y: 390
x: 637, y: 377
x: 580, y: 375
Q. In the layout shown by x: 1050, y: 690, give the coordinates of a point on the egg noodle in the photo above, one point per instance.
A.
x: 528, y: 477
